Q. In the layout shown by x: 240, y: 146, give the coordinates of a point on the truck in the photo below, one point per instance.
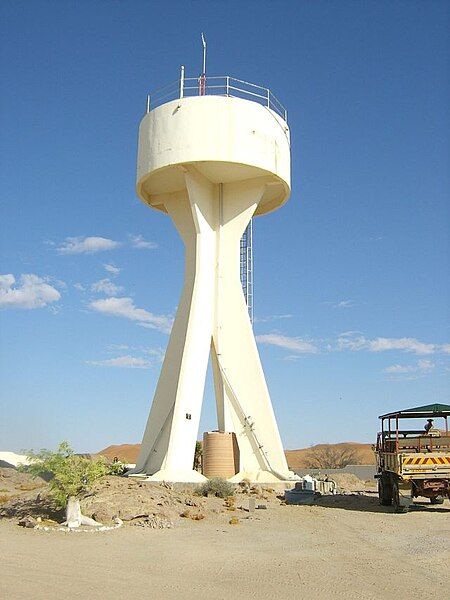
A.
x: 413, y: 462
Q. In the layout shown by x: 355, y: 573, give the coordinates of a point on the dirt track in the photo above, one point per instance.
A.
x: 349, y: 548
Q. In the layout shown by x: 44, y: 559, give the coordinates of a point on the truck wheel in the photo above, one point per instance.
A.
x: 398, y: 508
x: 384, y: 492
x: 437, y: 500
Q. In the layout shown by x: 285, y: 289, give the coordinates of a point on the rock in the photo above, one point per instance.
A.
x: 234, y: 521
x: 245, y: 486
x: 153, y: 522
x: 230, y: 502
x: 29, y: 522
x: 198, y: 517
x: 256, y: 489
x: 132, y: 516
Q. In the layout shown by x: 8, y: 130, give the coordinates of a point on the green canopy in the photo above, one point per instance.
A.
x: 429, y: 410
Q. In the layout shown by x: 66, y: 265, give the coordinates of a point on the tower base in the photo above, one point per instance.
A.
x: 170, y: 476
x: 262, y: 477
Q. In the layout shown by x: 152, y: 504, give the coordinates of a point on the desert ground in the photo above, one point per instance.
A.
x: 343, y: 546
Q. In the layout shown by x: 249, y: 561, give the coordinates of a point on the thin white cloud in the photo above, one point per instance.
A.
x: 157, y: 353
x: 130, y: 362
x: 422, y: 367
x: 79, y: 286
x: 115, y: 347
x: 269, y: 318
x: 340, y: 304
x: 399, y: 369
x: 404, y: 344
x: 345, y: 304
x: 112, y: 269
x: 425, y: 365
x: 57, y: 282
x: 32, y: 292
x: 86, y: 245
x: 295, y: 344
x: 107, y: 287
x: 138, y: 241
x: 355, y: 341
x: 125, y: 308
x: 351, y: 340
x: 445, y: 348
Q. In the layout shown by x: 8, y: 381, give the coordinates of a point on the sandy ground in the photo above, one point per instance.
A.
x: 347, y: 547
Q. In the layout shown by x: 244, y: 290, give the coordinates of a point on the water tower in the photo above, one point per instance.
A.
x: 213, y: 153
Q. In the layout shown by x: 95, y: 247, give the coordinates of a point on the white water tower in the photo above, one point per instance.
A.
x: 213, y: 152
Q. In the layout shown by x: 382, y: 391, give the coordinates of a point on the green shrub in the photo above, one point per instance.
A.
x: 70, y: 473
x: 116, y: 468
x: 217, y: 486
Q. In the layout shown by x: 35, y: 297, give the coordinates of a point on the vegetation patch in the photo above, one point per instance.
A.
x: 216, y: 486
x: 69, y: 473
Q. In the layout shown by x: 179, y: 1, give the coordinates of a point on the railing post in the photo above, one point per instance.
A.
x: 268, y: 98
x: 228, y: 86
x: 148, y: 103
x: 182, y: 82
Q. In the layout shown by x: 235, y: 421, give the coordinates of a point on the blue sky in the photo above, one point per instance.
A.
x: 351, y: 276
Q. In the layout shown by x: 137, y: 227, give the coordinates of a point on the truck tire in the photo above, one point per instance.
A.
x: 384, y: 491
x: 398, y: 508
x: 437, y: 500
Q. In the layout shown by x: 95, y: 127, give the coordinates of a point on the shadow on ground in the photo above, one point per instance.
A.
x: 369, y: 503
x: 17, y: 508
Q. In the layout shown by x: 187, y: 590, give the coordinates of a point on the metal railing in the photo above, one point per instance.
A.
x: 215, y: 86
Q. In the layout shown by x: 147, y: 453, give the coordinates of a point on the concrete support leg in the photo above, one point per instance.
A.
x: 212, y: 317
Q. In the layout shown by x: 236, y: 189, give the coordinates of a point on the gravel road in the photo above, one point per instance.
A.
x: 347, y: 547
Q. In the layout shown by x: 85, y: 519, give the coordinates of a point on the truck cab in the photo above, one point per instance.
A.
x: 412, y: 460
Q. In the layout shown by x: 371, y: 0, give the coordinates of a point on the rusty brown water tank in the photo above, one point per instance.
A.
x: 220, y: 454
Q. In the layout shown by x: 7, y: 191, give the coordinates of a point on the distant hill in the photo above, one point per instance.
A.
x: 297, y: 459
x: 126, y: 453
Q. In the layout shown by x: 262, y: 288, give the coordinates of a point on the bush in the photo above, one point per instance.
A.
x: 117, y: 468
x: 70, y: 473
x: 217, y: 486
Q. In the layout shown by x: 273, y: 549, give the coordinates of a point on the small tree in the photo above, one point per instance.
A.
x: 198, y: 455
x: 70, y: 473
x: 331, y: 457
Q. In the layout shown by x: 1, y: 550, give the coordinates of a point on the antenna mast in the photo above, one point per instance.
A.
x: 202, y: 78
x: 204, y: 55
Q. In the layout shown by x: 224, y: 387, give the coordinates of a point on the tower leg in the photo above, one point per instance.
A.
x: 212, y: 316
x: 168, y: 445
x: 245, y: 393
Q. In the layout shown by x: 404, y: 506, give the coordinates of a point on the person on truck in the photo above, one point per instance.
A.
x: 428, y: 425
